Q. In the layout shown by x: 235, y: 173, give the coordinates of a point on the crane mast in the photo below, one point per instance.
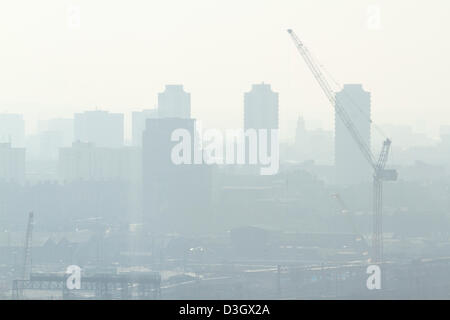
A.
x: 26, y: 267
x: 378, y: 166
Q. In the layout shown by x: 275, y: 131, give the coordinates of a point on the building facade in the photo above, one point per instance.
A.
x: 176, y: 198
x: 86, y: 162
x: 260, y: 113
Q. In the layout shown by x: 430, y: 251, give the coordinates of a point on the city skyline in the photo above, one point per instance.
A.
x: 207, y: 149
x: 82, y: 71
x: 379, y: 130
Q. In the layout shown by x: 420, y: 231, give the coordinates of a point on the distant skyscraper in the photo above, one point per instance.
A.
x: 176, y: 197
x: 101, y: 128
x: 261, y: 108
x: 351, y: 166
x: 174, y: 102
x: 260, y: 112
x: 12, y: 163
x: 12, y: 129
x: 138, y: 124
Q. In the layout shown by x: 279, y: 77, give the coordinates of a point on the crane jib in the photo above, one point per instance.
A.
x: 380, y: 173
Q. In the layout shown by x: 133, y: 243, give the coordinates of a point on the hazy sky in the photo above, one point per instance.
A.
x: 124, y: 52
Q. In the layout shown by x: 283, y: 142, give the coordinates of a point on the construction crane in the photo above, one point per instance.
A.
x: 26, y: 267
x: 380, y: 173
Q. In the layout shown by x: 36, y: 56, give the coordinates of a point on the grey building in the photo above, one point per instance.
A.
x: 85, y: 162
x: 260, y: 112
x: 138, y: 124
x: 176, y: 198
x: 174, y: 102
x: 261, y: 108
x: 351, y: 166
x: 12, y: 163
x: 102, y: 128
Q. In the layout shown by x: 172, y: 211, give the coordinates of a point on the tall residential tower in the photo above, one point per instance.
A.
x: 261, y: 108
x: 174, y: 102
